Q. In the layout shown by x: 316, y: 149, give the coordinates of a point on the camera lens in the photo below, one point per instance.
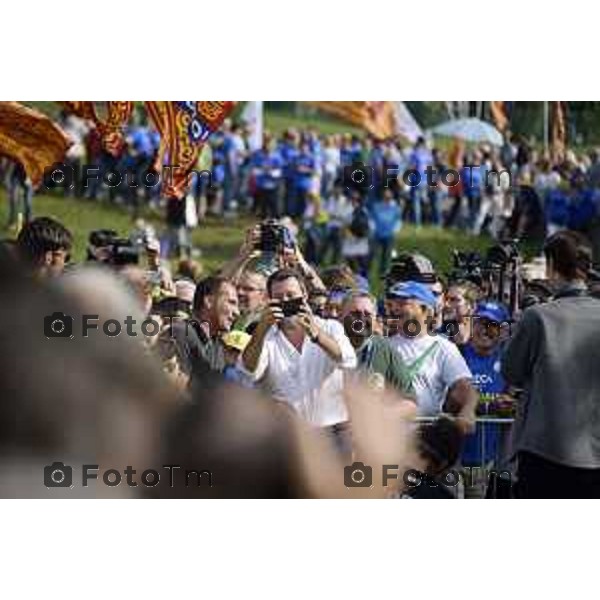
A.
x: 58, y: 326
x: 360, y: 328
x: 358, y: 476
x: 57, y: 476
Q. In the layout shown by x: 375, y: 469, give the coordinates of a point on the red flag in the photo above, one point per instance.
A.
x: 157, y: 111
x: 31, y: 138
x: 190, y: 124
x: 111, y: 129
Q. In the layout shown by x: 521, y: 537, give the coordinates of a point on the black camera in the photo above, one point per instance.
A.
x: 59, y: 175
x: 58, y: 475
x: 289, y: 308
x: 274, y: 237
x: 503, y: 253
x: 358, y: 176
x: 358, y: 475
x: 410, y: 266
x: 467, y: 266
x: 357, y: 325
x: 58, y: 325
x: 99, y: 244
x: 123, y: 252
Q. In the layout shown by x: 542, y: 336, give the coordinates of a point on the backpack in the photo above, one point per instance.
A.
x: 359, y: 227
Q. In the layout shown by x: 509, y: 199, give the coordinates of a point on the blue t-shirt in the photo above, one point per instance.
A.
x: 472, y: 180
x: 270, y: 167
x: 288, y: 153
x: 387, y: 218
x: 583, y: 209
x: 420, y: 159
x: 141, y: 140
x: 557, y: 207
x: 219, y: 158
x: 488, y: 380
x: 303, y: 180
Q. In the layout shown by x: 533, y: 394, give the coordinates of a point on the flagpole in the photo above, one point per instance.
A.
x: 546, y: 129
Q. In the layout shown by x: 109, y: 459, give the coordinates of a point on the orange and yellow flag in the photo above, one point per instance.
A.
x: 499, y: 116
x: 378, y: 118
x: 189, y: 125
x: 31, y: 138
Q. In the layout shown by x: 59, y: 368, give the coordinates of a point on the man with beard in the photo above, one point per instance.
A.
x: 436, y: 369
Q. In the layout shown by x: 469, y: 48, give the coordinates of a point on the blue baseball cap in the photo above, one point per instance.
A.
x: 413, y: 290
x: 494, y: 311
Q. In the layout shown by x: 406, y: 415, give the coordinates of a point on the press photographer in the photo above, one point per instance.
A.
x: 552, y: 355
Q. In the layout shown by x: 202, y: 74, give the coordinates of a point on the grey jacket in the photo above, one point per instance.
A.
x: 554, y: 355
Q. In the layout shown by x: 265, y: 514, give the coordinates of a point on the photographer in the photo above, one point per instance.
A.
x: 553, y: 357
x: 376, y: 357
x: 300, y: 357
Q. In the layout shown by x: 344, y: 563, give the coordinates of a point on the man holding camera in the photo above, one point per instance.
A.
x: 553, y: 357
x: 298, y: 356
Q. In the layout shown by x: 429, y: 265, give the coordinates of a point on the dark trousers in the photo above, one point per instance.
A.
x: 266, y: 203
x: 384, y: 247
x: 538, y: 477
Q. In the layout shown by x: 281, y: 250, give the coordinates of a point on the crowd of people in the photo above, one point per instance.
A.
x: 515, y: 190
x: 293, y: 340
x: 295, y: 371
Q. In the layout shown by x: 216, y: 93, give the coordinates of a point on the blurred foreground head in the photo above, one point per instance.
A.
x: 95, y: 400
x: 44, y: 245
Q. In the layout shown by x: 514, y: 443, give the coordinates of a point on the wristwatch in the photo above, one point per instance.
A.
x: 314, y: 337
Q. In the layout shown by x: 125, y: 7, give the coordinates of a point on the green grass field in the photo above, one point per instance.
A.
x: 219, y: 239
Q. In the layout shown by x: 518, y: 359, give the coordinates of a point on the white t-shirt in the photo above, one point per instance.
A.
x: 309, y: 381
x: 443, y: 366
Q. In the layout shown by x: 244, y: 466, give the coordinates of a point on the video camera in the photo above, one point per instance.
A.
x: 467, y: 267
x: 410, y: 266
x: 105, y: 246
x: 498, y: 274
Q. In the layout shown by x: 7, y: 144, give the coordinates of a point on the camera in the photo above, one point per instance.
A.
x: 467, y: 267
x: 358, y: 325
x: 123, y: 252
x: 59, y: 175
x: 99, y: 243
x: 410, y: 266
x: 289, y: 308
x: 58, y: 325
x: 274, y: 237
x: 358, y: 176
x: 58, y: 475
x: 358, y: 475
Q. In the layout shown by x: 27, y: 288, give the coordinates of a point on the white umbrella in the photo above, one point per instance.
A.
x: 470, y: 130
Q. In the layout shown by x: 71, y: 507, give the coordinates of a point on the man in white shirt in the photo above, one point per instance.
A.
x: 436, y: 369
x: 299, y: 357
